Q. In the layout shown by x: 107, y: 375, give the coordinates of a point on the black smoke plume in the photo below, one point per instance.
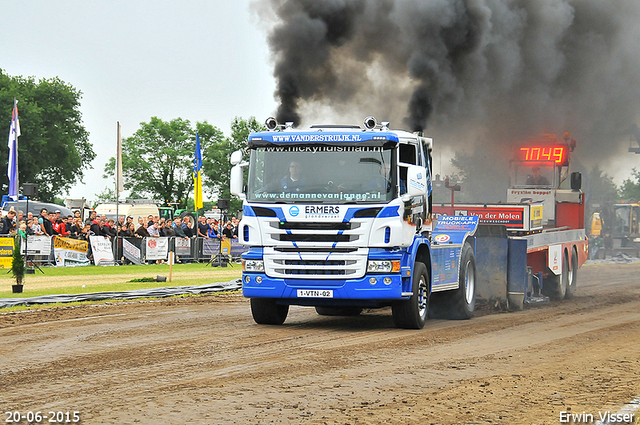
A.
x: 490, y: 71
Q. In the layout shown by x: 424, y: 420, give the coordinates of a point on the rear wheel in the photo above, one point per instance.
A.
x: 412, y: 313
x: 556, y: 289
x: 461, y: 303
x: 338, y: 311
x: 572, y: 280
x: 265, y: 311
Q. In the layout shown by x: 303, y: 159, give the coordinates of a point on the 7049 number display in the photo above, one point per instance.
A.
x: 556, y: 154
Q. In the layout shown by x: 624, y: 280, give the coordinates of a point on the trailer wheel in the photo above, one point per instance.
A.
x: 265, y: 311
x: 461, y: 303
x: 572, y: 280
x: 557, y: 289
x: 338, y: 311
x: 412, y: 313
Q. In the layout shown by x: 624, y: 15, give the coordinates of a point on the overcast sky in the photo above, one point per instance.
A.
x: 196, y: 59
x: 132, y: 60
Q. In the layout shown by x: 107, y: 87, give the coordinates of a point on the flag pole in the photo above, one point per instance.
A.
x: 15, y: 108
x: 12, y: 164
x: 118, y: 177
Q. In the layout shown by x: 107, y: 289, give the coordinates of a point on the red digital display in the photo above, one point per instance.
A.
x: 557, y: 154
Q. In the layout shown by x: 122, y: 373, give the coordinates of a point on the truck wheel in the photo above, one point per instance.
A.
x: 265, y: 311
x: 461, y: 303
x: 557, y: 288
x: 338, y: 311
x: 412, y: 313
x: 192, y: 219
x: 572, y: 280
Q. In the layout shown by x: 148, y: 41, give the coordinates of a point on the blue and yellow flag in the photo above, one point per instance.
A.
x: 12, y: 165
x: 197, y: 178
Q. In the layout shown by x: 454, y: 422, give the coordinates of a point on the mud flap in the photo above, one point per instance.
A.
x: 448, y: 237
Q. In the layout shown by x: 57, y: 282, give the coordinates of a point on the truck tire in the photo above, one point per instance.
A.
x: 265, y: 311
x: 189, y: 214
x: 338, y: 311
x: 556, y: 287
x: 461, y: 303
x: 572, y: 280
x: 412, y: 313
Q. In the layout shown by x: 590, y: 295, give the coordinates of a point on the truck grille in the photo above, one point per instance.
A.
x: 314, y: 237
x: 315, y: 264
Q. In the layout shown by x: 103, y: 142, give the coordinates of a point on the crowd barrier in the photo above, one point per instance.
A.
x: 63, y: 251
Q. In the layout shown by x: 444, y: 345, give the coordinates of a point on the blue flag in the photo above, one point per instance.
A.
x: 197, y: 178
x: 12, y: 166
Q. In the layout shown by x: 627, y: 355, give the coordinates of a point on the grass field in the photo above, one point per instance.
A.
x: 79, y: 280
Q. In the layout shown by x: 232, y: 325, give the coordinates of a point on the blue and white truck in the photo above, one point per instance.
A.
x: 339, y: 218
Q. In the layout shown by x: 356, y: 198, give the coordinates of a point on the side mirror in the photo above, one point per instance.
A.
x: 236, y: 158
x: 236, y: 183
x: 576, y: 181
x: 416, y: 182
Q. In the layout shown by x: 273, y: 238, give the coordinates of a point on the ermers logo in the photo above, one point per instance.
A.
x: 321, y: 209
x: 294, y: 211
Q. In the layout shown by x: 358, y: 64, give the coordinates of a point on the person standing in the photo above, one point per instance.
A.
x: 186, y: 227
x: 153, y: 230
x: 9, y: 223
x: 203, y: 227
x: 141, y: 232
x: 47, y: 227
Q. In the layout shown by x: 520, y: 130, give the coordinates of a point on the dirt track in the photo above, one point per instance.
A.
x: 202, y: 360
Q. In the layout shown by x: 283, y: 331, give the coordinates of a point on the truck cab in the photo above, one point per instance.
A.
x: 338, y: 217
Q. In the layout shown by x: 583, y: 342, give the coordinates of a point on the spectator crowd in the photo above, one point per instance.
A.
x: 55, y: 224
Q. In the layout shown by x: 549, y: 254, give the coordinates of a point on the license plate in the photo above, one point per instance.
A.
x: 315, y: 293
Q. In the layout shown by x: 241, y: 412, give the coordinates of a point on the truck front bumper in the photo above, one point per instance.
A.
x: 301, y: 291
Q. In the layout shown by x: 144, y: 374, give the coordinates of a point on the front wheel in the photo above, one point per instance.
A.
x: 265, y: 311
x: 412, y: 313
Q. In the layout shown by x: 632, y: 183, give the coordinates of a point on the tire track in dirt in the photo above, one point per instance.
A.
x: 204, y: 361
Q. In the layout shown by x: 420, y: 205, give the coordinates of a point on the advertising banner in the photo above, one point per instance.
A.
x: 156, y: 248
x: 70, y: 252
x: 183, y: 246
x: 210, y: 247
x: 131, y: 252
x: 237, y: 248
x: 38, y: 245
x: 101, y: 249
x: 226, y: 246
x: 6, y: 252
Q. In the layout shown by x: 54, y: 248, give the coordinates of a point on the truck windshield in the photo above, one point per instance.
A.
x: 533, y: 175
x: 321, y: 174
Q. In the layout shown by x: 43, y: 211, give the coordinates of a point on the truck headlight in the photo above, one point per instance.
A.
x: 383, y: 266
x: 253, y: 265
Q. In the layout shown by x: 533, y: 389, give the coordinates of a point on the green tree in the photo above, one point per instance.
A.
x: 630, y: 188
x: 157, y: 161
x: 53, y: 149
x: 599, y: 188
x: 107, y: 195
x: 215, y: 160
